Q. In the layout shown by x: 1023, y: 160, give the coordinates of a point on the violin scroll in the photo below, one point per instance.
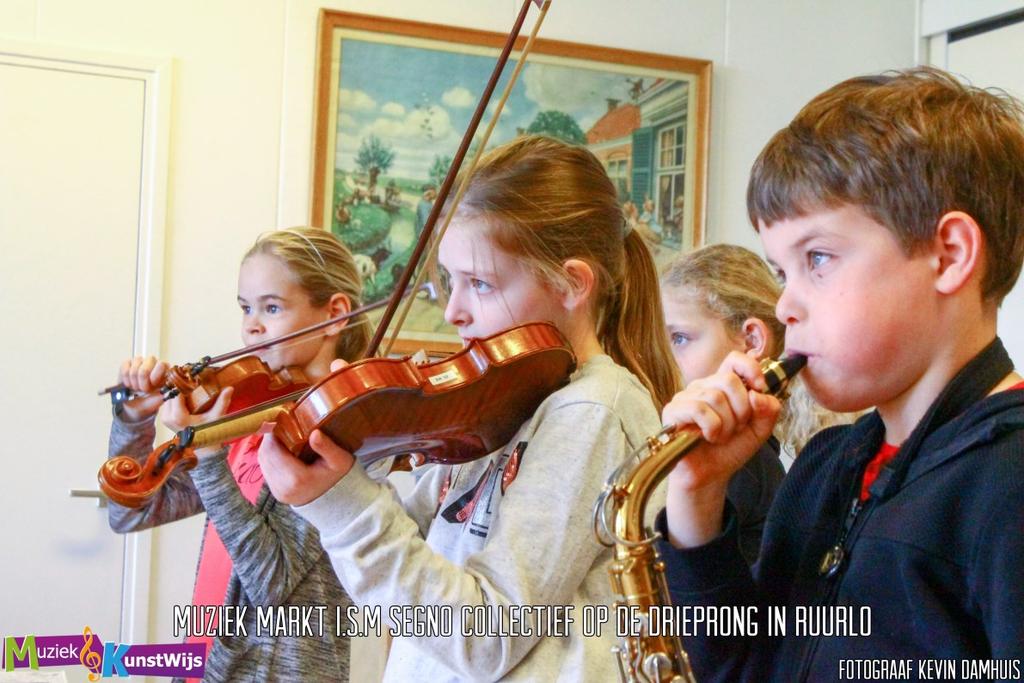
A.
x: 128, y: 482
x: 131, y: 483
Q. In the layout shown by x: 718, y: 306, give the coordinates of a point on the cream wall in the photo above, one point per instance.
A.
x: 242, y: 113
x: 778, y: 55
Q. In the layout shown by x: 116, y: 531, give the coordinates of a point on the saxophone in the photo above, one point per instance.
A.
x: 637, y: 573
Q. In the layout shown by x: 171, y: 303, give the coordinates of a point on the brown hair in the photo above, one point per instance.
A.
x: 545, y: 202
x: 733, y: 284
x: 323, y: 267
x: 905, y: 147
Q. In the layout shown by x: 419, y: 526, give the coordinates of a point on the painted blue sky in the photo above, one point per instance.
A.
x: 420, y: 101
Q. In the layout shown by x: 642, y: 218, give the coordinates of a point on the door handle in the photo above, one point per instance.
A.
x: 101, y: 498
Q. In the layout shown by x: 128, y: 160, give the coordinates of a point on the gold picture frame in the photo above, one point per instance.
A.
x: 393, y: 98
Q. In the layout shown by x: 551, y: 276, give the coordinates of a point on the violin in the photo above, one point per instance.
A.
x: 449, y: 411
x: 254, y: 382
x: 252, y: 379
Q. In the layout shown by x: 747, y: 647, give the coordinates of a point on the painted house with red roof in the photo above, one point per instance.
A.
x: 611, y: 141
x: 643, y: 146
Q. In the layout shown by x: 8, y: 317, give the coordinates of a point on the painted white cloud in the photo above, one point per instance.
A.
x: 411, y: 161
x: 416, y: 138
x: 421, y: 125
x: 346, y: 122
x: 562, y: 88
x: 393, y: 109
x: 458, y: 97
x: 355, y: 100
x: 493, y: 106
x: 347, y: 141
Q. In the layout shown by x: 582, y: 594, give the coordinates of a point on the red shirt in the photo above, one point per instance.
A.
x: 215, y: 564
x: 886, y: 453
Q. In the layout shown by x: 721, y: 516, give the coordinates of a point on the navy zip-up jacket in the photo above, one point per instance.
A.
x: 939, y: 562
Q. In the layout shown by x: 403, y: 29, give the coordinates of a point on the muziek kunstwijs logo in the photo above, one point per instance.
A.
x: 104, y: 659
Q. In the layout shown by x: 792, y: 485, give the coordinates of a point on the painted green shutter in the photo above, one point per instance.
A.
x: 643, y: 164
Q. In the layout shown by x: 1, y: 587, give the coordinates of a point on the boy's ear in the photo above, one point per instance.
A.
x: 582, y: 281
x: 958, y: 245
x: 755, y: 337
x: 338, y: 304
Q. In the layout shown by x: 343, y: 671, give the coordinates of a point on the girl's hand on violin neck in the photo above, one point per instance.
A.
x: 175, y: 416
x: 143, y: 376
x: 734, y: 419
x: 293, y: 481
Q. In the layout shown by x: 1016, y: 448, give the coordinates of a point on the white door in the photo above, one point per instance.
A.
x: 82, y: 145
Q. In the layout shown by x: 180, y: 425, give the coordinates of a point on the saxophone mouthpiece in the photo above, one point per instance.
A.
x: 793, y: 364
x: 778, y: 373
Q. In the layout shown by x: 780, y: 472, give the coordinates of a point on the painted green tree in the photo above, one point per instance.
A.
x: 373, y: 153
x: 559, y: 125
x: 439, y: 169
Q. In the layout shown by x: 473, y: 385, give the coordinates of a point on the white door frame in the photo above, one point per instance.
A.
x: 937, y: 18
x: 943, y: 16
x: 155, y: 77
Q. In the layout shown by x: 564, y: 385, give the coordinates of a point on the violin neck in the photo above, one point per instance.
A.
x: 242, y: 423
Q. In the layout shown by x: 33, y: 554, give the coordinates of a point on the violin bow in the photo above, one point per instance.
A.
x: 121, y: 393
x: 453, y: 171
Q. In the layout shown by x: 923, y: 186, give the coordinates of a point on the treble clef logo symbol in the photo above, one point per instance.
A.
x: 90, y: 660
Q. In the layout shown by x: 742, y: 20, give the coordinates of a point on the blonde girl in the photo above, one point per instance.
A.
x: 722, y: 298
x: 255, y: 552
x: 538, y: 236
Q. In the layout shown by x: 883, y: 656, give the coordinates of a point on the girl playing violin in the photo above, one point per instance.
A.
x: 255, y: 551
x: 538, y: 236
x: 722, y: 298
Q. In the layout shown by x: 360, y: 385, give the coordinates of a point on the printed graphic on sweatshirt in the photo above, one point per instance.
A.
x: 478, y: 504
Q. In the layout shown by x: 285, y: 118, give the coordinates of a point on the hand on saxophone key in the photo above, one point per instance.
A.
x: 734, y: 418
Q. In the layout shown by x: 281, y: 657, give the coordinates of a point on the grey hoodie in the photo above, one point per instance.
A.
x: 276, y: 558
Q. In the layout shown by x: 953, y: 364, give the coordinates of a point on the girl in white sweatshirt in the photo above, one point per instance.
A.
x: 539, y: 235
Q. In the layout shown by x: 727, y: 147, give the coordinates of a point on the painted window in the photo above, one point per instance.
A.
x: 618, y: 171
x: 670, y: 181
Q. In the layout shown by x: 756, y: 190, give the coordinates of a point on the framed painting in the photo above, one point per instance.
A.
x: 393, y: 100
